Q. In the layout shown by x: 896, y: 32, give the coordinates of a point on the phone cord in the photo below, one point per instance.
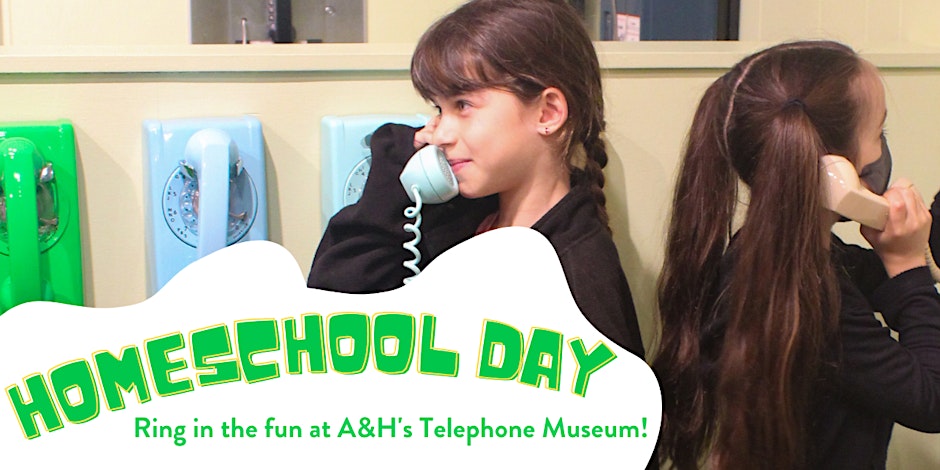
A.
x: 934, y: 270
x: 413, y: 212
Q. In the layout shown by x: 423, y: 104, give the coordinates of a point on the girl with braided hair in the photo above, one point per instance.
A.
x: 771, y: 355
x: 520, y: 113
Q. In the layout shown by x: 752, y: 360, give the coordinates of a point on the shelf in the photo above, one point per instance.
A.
x: 383, y: 57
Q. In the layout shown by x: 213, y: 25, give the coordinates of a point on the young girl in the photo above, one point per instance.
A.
x: 518, y: 89
x: 771, y: 355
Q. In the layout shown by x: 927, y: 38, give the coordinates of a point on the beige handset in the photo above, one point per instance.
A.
x: 847, y: 197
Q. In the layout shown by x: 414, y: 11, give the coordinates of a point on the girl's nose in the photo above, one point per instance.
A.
x: 443, y: 131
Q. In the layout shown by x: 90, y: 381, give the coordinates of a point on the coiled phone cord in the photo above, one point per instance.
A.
x: 934, y: 270
x: 413, y: 212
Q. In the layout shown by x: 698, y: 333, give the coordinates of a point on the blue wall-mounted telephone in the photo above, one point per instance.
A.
x: 206, y: 189
x: 346, y: 157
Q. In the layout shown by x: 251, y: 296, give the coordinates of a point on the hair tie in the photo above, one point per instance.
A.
x: 794, y: 102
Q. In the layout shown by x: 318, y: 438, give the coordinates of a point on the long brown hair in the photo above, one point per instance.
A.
x: 524, y: 47
x: 742, y: 400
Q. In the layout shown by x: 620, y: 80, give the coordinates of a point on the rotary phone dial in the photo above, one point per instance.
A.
x: 352, y: 190
x: 47, y: 208
x: 181, y: 203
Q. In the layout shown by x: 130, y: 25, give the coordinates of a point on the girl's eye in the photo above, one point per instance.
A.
x: 462, y: 104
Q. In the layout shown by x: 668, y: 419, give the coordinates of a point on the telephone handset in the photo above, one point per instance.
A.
x: 427, y: 173
x: 426, y: 178
x: 847, y: 197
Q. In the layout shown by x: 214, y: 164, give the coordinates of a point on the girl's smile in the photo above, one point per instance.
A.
x: 457, y: 164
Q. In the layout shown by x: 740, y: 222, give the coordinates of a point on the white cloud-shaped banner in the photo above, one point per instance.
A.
x: 484, y: 359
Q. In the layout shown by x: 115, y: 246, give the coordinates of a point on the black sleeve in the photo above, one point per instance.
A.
x: 896, y: 379
x: 604, y: 297
x: 867, y: 272
x: 863, y: 267
x: 361, y: 250
x: 600, y: 290
x: 935, y: 229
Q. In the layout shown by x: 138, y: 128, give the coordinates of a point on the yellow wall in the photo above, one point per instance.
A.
x: 167, y: 22
x: 856, y: 22
x: 394, y: 21
x: 81, y: 22
x: 651, y: 90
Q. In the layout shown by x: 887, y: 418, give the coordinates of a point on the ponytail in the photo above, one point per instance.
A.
x: 702, y: 211
x: 782, y: 304
x: 746, y: 333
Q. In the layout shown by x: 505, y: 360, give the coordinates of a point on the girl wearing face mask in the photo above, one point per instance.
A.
x: 518, y: 90
x: 771, y: 354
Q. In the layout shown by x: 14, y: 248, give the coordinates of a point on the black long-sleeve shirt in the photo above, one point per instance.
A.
x: 877, y: 380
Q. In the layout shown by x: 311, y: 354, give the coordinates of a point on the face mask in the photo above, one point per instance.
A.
x: 877, y: 173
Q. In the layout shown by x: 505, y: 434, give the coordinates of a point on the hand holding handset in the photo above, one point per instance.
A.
x: 847, y: 197
x: 426, y: 178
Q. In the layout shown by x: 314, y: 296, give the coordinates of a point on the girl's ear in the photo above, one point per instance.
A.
x: 553, y: 111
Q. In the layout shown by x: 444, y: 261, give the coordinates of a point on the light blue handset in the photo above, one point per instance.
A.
x: 426, y: 178
x: 211, y: 160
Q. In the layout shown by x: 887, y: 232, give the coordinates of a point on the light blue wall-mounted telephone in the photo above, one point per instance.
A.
x: 427, y: 177
x: 206, y: 189
x: 346, y: 156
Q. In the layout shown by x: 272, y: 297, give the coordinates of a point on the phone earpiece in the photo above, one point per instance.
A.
x: 429, y: 171
x: 847, y: 196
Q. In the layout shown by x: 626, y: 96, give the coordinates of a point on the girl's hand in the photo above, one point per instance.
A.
x: 423, y: 136
x: 903, y: 243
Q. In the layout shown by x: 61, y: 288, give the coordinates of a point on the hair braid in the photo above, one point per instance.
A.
x: 596, y: 161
